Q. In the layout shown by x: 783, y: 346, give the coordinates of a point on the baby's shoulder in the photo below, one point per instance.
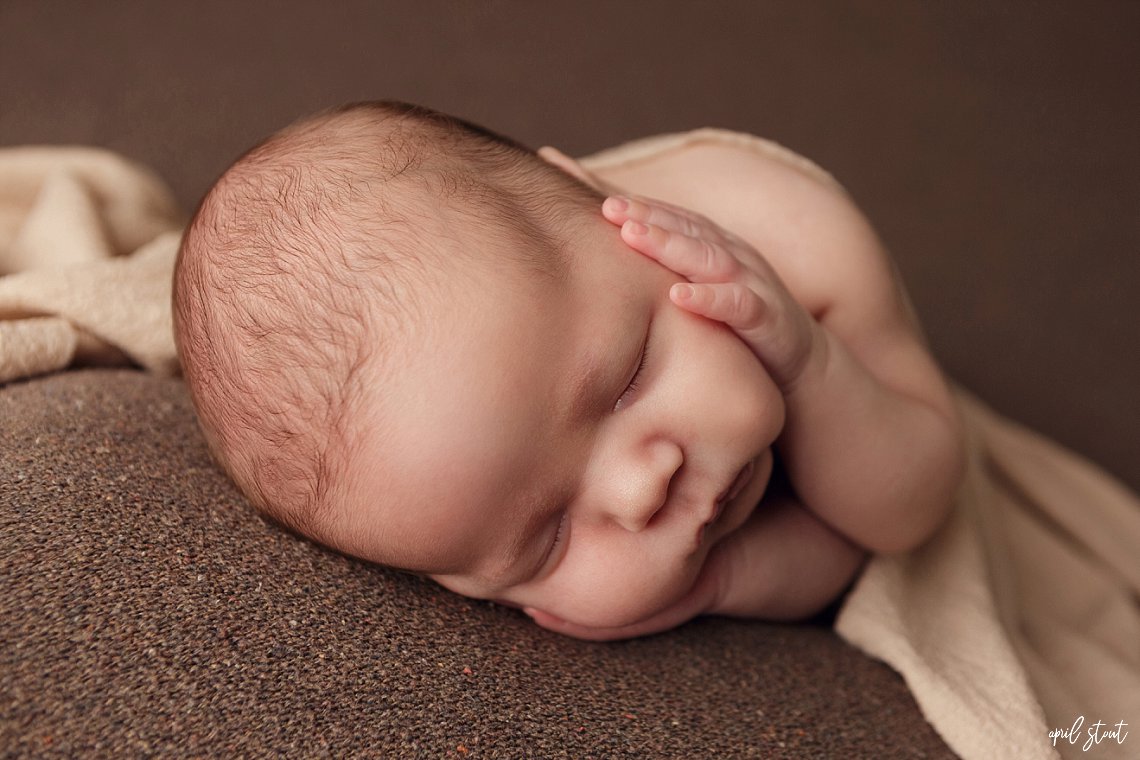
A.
x: 786, y: 206
x: 667, y: 160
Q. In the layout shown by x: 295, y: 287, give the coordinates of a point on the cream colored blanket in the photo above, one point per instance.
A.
x: 1019, y: 623
x: 1019, y: 619
x: 87, y: 243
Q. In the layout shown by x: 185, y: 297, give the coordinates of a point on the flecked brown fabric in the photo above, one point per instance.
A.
x: 147, y: 610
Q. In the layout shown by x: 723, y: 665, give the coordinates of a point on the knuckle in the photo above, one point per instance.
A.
x: 686, y: 226
x: 731, y: 266
x: 673, y: 244
x: 719, y: 262
x: 708, y: 256
x: 751, y: 307
x: 741, y: 301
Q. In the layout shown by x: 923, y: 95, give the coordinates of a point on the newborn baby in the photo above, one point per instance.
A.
x: 615, y: 401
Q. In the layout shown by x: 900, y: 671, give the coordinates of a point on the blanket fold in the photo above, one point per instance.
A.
x: 1018, y: 620
x: 87, y: 245
x: 1021, y: 616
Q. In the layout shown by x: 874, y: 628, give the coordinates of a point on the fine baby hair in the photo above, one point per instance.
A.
x: 308, y: 259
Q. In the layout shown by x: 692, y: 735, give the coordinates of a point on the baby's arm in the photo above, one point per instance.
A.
x: 872, y: 441
x: 783, y: 564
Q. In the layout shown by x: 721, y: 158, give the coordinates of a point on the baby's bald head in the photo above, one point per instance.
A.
x: 320, y: 253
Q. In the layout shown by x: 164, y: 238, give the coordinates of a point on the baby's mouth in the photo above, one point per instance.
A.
x: 733, y: 490
x: 736, y: 486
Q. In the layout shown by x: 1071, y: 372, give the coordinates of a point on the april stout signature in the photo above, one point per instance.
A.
x: 1096, y: 733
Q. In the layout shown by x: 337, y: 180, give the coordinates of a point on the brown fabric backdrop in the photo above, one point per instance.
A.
x: 992, y: 144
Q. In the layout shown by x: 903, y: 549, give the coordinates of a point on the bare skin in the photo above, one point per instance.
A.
x: 720, y: 411
x: 871, y: 447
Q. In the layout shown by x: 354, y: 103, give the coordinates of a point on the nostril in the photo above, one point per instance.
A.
x: 638, y: 518
x: 641, y: 509
x: 643, y: 491
x: 658, y: 499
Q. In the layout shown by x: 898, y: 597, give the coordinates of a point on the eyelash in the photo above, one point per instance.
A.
x: 557, y: 537
x: 633, y: 383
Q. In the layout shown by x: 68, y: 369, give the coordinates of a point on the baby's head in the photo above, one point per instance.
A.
x: 420, y: 343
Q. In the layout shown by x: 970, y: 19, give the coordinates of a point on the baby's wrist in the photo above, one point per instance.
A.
x: 813, y: 372
x: 714, y: 586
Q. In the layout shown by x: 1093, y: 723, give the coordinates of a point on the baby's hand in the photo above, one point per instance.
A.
x: 728, y: 280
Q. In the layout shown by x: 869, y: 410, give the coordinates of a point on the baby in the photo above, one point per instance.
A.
x: 615, y: 401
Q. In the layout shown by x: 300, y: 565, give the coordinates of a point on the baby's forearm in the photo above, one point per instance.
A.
x: 878, y: 465
x: 785, y: 564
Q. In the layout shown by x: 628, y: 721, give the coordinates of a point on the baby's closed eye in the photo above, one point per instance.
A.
x: 635, y: 380
x: 559, y: 537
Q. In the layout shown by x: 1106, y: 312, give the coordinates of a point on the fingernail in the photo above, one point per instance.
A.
x: 617, y: 203
x: 636, y: 228
x: 683, y: 292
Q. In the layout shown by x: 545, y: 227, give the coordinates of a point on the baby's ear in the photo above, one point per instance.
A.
x: 568, y: 165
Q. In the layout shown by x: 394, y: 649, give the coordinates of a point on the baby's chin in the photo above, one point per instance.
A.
x: 694, y: 582
x: 619, y: 607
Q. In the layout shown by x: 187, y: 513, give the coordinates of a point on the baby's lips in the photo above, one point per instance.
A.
x: 738, y: 483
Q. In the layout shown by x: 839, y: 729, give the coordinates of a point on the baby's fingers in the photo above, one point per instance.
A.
x: 781, y: 334
x: 697, y: 259
x: 618, y: 209
x: 737, y: 305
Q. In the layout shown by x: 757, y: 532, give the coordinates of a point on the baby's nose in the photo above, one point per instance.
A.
x: 642, y: 490
x: 635, y: 511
